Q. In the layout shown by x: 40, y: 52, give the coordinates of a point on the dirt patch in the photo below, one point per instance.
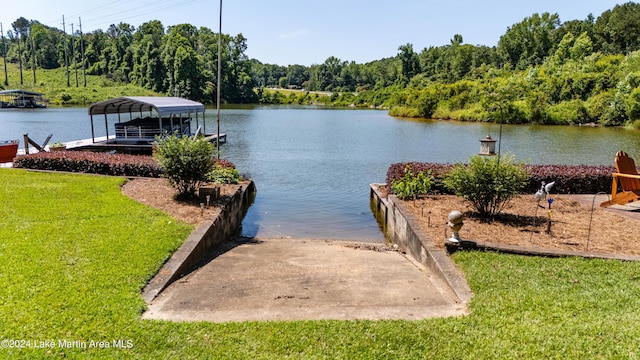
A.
x: 159, y: 194
x: 525, y: 222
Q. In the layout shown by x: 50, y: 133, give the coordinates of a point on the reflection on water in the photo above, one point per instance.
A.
x: 313, y: 166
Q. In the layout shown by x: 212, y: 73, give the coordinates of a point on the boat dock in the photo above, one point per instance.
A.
x: 104, y: 144
x: 140, y: 120
x: 22, y: 99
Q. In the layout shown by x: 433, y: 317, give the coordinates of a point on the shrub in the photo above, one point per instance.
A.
x: 487, y: 183
x: 569, y: 179
x: 224, y: 175
x: 410, y: 186
x: 437, y: 172
x: 404, y: 111
x: 186, y: 162
x: 91, y: 162
x: 567, y: 112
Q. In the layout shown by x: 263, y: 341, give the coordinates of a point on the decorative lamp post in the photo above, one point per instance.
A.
x: 488, y: 146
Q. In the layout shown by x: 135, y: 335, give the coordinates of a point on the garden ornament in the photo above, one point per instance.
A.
x: 455, y: 223
x: 544, y: 191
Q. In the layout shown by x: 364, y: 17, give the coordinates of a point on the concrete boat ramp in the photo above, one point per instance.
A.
x: 305, y: 279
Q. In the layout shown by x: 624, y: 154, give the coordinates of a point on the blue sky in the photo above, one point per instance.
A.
x: 307, y: 32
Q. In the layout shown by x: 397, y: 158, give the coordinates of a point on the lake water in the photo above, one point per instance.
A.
x: 312, y: 166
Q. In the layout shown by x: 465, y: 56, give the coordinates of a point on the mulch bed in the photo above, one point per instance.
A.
x: 524, y: 222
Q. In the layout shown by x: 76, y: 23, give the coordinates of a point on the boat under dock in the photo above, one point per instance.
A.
x: 113, y: 144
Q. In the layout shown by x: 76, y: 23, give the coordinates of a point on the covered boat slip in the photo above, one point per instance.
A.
x: 140, y: 119
x: 21, y: 99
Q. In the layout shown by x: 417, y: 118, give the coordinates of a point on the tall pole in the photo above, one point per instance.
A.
x: 66, y: 56
x: 19, y: 55
x: 500, y: 136
x: 219, y: 75
x: 84, y: 72
x: 4, y: 56
x: 33, y: 54
x: 73, y: 54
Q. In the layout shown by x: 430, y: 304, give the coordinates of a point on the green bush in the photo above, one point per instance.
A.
x: 410, y: 186
x: 488, y: 183
x: 598, y: 105
x: 224, y: 175
x: 569, y: 179
x: 404, y: 111
x: 186, y: 162
x: 567, y: 112
x: 90, y: 162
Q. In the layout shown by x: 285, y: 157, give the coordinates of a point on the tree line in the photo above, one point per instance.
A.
x: 541, y: 70
x: 180, y: 60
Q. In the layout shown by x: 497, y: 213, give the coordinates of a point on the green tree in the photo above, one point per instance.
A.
x: 94, y: 52
x: 530, y: 41
x: 187, y: 73
x: 297, y: 75
x: 617, y: 31
x: 563, y: 52
x: 410, y: 62
x: 237, y: 81
x: 181, y: 62
x: 582, y: 47
x: 148, y: 69
x: 632, y: 103
x: 45, y: 40
x: 118, y: 53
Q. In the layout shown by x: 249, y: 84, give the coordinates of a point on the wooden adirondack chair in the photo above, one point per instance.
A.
x: 627, y: 176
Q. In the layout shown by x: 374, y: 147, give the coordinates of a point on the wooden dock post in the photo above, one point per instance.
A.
x: 27, y: 141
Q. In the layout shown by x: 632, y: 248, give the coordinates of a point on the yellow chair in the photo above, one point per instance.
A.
x: 627, y: 177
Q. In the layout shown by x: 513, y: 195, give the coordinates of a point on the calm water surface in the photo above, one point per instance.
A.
x: 312, y: 166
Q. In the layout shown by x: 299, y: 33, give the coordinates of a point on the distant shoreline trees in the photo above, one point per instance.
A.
x: 542, y: 70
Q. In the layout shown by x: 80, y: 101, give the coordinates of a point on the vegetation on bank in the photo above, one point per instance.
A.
x: 487, y: 183
x: 541, y: 71
x: 75, y: 273
x: 569, y: 179
x: 410, y: 185
x: 53, y: 83
x: 88, y: 162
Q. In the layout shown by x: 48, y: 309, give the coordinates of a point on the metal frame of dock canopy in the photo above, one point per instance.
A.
x: 38, y: 98
x: 162, y: 105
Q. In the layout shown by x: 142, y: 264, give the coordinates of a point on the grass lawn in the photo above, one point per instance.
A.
x: 75, y: 254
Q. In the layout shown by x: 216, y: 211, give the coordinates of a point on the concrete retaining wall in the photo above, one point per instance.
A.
x: 202, y: 241
x: 397, y: 222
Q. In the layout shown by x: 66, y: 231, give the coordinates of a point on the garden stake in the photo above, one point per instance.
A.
x: 201, y: 209
x: 542, y: 195
x: 550, y: 201
x: 535, y: 214
x: 591, y: 218
x: 208, y: 199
